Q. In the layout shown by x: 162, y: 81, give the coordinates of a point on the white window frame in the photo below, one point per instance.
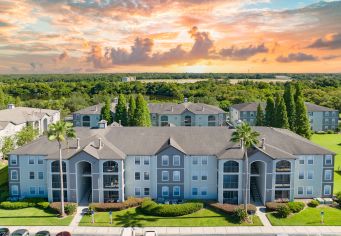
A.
x: 164, y: 159
x: 30, y: 158
x: 137, y: 190
x: 328, y: 158
x: 195, y: 175
x: 192, y: 191
x: 39, y: 175
x: 176, y: 195
x: 195, y: 160
x: 329, y: 187
x: 204, y: 159
x: 35, y: 191
x: 301, y: 159
x: 29, y: 175
x: 310, y: 158
x: 135, y: 175
x: 14, y: 160
x: 137, y: 159
x: 41, y: 190
x: 163, y: 191
x: 178, y: 173
x: 298, y: 192
x: 330, y: 174
x: 165, y: 173
x: 14, y: 188
x: 144, y: 192
x: 299, y: 174
x: 203, y: 189
x: 146, y: 159
x: 40, y: 159
x: 144, y: 175
x: 312, y: 174
x: 176, y: 157
x: 307, y: 192
x: 204, y: 174
x: 14, y: 171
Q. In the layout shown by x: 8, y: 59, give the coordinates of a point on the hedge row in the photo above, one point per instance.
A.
x: 69, y: 207
x: 25, y: 203
x: 272, y: 206
x: 231, y: 209
x: 293, y: 207
x: 150, y: 207
x: 117, y: 206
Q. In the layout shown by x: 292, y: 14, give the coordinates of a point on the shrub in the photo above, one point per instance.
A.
x: 313, y: 203
x: 240, y: 214
x: 69, y: 207
x: 150, y: 207
x: 296, y: 207
x: 117, y: 206
x: 43, y: 205
x: 14, y: 205
x: 272, y: 206
x: 34, y: 200
x: 283, y: 211
x: 230, y: 208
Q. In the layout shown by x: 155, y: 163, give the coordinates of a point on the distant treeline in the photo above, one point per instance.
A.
x: 73, y: 92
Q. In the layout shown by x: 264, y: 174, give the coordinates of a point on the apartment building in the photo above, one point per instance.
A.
x: 110, y: 164
x: 321, y: 118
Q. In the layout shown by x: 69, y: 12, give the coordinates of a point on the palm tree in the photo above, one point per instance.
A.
x: 59, y: 132
x: 248, y: 138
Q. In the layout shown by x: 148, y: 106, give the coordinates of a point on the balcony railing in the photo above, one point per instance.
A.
x: 111, y: 185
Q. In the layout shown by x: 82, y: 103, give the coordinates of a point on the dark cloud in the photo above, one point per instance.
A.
x: 331, y: 57
x: 64, y: 55
x: 202, y: 44
x: 332, y: 41
x: 243, y: 53
x: 36, y: 65
x: 297, y: 57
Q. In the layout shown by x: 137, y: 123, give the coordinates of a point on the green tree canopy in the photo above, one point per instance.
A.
x: 106, y: 111
x: 302, y: 123
x: 270, y: 112
x: 142, y: 114
x: 26, y: 135
x: 281, y: 117
x: 121, y: 114
x: 131, y: 111
x: 290, y: 105
x: 260, y: 116
x: 8, y: 145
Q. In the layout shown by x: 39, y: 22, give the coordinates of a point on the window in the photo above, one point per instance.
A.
x: 176, y: 160
x: 110, y: 167
x: 145, y: 161
x: 55, y: 166
x: 110, y: 181
x: 326, y: 113
x: 283, y: 166
x: 231, y: 167
x: 137, y: 176
x: 328, y: 160
x: 301, y: 174
x: 146, y: 191
x: 164, y: 120
x: 195, y: 177
x: 146, y: 175
x: 310, y: 160
x: 40, y: 160
x: 111, y: 196
x: 194, y: 191
x: 137, y: 160
x: 56, y: 195
x: 327, y: 190
x: 300, y: 190
x: 32, y: 190
x: 188, y: 121
x: 282, y: 179
x: 31, y: 175
x: 309, y: 190
x: 282, y: 195
x: 230, y: 197
x: 14, y: 160
x: 31, y: 160
x: 230, y: 181
x: 195, y: 161
x: 176, y: 175
x: 327, y: 175
x: 203, y: 191
x: 56, y: 181
x: 310, y: 174
x: 176, y: 191
x: 137, y: 191
x: 165, y: 176
x: 204, y: 160
x: 40, y: 175
x: 204, y: 177
x: 301, y: 160
x: 165, y: 160
x: 211, y: 120
x: 41, y: 191
x: 14, y: 190
x: 165, y: 191
x: 86, y: 121
x: 14, y: 175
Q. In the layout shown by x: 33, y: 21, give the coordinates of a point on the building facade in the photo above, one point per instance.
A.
x: 320, y: 118
x: 172, y: 163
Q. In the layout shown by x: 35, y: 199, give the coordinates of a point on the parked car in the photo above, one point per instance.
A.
x: 64, y: 233
x: 150, y: 233
x: 43, y: 233
x: 20, y: 232
x: 4, y: 232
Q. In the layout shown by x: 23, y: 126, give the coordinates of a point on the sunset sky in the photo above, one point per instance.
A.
x: 85, y: 36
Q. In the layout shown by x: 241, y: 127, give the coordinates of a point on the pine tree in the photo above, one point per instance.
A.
x: 260, y: 116
x: 2, y: 99
x: 270, y: 112
x: 142, y: 116
x: 106, y: 111
x: 290, y: 105
x: 302, y: 124
x: 281, y: 117
x: 131, y: 111
x: 121, y: 114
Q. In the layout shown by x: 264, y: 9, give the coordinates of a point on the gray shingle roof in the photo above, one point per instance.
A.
x: 313, y: 107
x: 252, y: 106
x: 177, y: 109
x: 19, y: 115
x: 94, y: 110
x: 122, y: 141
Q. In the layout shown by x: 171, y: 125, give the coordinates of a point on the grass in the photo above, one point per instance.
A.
x: 133, y: 217
x: 309, y: 217
x: 32, y: 216
x: 333, y: 143
x: 3, y: 181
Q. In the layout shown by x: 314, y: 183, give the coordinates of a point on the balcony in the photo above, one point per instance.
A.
x: 111, y: 185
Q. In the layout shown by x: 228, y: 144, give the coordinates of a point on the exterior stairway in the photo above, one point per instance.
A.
x: 254, y: 193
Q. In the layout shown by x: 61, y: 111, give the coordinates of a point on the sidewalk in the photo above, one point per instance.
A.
x: 261, y: 213
x: 78, y: 216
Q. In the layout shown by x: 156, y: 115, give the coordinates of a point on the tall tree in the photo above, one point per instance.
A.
x: 8, y: 145
x: 142, y: 115
x: 60, y: 131
x: 260, y: 116
x: 290, y: 105
x: 248, y: 138
x: 106, y: 111
x: 2, y: 99
x: 26, y: 135
x: 131, y: 111
x: 281, y: 117
x: 302, y: 124
x: 121, y: 113
x: 270, y: 112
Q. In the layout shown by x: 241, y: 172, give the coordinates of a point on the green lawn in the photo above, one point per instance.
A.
x: 3, y: 181
x: 31, y: 216
x: 309, y: 216
x: 333, y: 143
x: 133, y: 217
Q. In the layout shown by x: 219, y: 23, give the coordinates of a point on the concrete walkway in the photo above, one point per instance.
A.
x: 78, y: 216
x: 261, y: 213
